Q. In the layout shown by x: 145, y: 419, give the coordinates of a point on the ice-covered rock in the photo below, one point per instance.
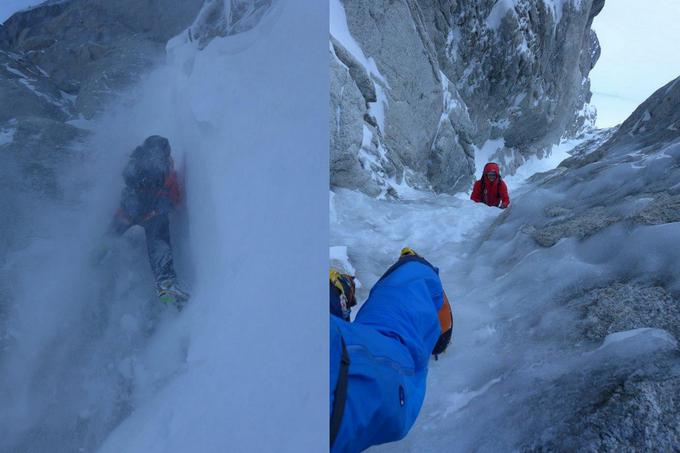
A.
x: 602, y: 228
x: 581, y: 226
x: 625, y: 306
x: 629, y: 404
x: 450, y: 76
x: 219, y: 18
x: 622, y: 397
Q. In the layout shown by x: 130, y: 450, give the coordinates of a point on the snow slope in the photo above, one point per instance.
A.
x: 91, y: 360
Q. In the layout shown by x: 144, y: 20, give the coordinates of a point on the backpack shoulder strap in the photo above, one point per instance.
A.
x: 340, y: 394
x: 482, y: 187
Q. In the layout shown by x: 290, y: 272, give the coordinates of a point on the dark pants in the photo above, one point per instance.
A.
x: 157, y: 231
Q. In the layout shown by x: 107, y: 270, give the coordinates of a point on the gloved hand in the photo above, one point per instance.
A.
x: 343, y: 293
x: 503, y: 206
x: 446, y: 325
x: 444, y: 315
x: 408, y: 251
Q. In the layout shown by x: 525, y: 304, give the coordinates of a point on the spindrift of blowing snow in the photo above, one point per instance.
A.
x: 92, y: 360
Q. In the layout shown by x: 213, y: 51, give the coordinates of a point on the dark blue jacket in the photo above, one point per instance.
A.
x: 389, y: 346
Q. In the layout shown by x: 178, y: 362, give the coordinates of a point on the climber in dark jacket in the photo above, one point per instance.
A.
x: 379, y: 362
x: 151, y: 191
x: 491, y: 189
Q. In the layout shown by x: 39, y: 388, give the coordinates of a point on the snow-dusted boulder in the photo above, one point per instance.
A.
x: 450, y: 76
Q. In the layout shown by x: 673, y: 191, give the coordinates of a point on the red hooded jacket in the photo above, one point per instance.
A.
x: 139, y: 205
x: 493, y: 193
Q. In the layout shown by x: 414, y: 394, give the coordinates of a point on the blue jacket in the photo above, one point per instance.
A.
x: 389, y: 346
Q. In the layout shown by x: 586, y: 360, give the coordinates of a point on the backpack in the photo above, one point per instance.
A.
x: 149, y: 164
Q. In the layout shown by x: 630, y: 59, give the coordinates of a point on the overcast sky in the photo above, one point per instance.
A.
x: 640, y: 42
x: 9, y: 7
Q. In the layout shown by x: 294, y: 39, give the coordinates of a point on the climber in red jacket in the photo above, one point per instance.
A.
x: 491, y: 189
x: 151, y: 192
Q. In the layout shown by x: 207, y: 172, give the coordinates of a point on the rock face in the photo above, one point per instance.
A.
x: 618, y: 307
x: 91, y: 48
x: 425, y: 81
